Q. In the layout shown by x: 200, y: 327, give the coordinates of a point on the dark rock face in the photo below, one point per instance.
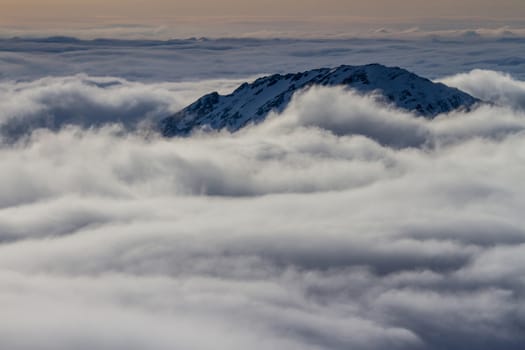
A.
x: 253, y: 102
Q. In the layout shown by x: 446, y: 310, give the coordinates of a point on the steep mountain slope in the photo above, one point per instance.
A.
x: 252, y: 102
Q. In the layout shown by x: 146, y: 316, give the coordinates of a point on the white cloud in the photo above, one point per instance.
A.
x: 56, y: 102
x: 495, y: 87
x: 339, y: 224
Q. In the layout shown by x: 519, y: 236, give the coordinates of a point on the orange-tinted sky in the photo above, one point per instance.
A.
x: 164, y: 19
x: 27, y: 10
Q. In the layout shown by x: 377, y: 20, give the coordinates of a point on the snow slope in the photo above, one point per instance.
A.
x: 253, y: 102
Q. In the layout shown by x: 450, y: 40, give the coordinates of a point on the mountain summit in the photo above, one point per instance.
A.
x: 253, y: 102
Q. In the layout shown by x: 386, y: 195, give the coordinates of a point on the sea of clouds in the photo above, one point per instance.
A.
x: 340, y: 224
x: 432, y: 56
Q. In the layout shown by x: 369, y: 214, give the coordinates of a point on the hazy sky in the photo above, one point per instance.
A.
x: 27, y: 10
x: 263, y: 18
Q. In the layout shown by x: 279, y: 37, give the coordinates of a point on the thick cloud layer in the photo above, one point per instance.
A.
x: 339, y: 224
x: 56, y: 102
x: 92, y: 102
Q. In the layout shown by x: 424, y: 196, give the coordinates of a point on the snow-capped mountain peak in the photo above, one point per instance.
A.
x: 252, y: 102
